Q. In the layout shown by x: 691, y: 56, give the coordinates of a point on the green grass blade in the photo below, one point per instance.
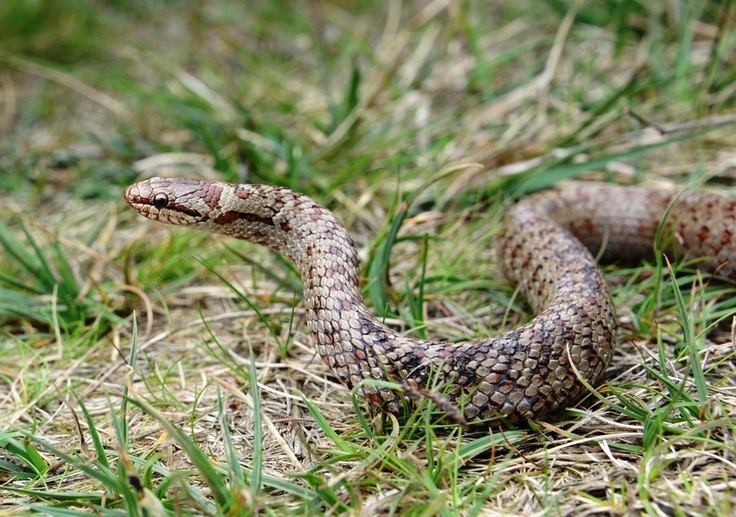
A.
x: 325, y: 426
x: 290, y: 280
x: 379, y: 266
x: 686, y: 325
x: 257, y: 468
x: 94, y: 434
x: 219, y: 489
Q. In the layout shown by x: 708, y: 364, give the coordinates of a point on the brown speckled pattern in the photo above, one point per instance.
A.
x: 524, y: 373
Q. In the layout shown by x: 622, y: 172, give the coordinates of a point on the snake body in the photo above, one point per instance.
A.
x: 524, y: 373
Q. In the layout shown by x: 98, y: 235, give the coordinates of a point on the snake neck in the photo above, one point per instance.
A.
x: 351, y: 341
x: 321, y: 249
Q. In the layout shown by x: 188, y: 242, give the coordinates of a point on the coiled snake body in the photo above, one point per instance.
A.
x: 522, y: 374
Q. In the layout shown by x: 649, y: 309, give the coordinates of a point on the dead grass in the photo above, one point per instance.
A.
x: 361, y: 107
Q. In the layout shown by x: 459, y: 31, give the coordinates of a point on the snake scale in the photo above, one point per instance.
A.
x: 522, y: 374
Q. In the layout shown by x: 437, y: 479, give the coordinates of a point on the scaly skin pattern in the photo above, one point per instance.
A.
x: 522, y: 374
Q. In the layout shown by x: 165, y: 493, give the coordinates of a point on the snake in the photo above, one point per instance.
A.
x: 546, y: 246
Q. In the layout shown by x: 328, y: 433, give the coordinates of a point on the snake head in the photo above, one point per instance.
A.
x: 182, y: 201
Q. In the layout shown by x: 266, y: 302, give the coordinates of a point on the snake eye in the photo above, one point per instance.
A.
x: 160, y: 200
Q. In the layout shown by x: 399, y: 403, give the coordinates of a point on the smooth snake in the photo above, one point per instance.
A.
x: 522, y: 374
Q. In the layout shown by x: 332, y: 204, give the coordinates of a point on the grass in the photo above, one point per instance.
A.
x: 148, y: 370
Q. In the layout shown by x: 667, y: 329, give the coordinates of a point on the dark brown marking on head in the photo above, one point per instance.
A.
x: 285, y: 226
x: 185, y: 210
x: 242, y: 192
x: 233, y: 215
x: 212, y: 196
x: 255, y: 218
x: 227, y: 217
